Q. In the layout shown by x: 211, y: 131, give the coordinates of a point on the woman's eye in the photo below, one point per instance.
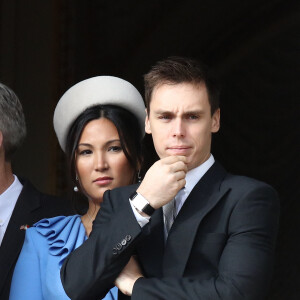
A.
x: 85, y: 152
x: 115, y: 148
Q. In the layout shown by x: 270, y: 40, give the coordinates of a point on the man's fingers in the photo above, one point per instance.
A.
x: 181, y: 183
x: 178, y: 166
x: 172, y: 159
x: 179, y: 175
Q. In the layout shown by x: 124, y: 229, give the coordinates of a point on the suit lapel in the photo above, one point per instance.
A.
x: 203, y: 198
x: 11, y: 247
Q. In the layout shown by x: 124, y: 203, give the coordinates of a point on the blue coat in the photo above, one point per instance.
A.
x: 47, y: 244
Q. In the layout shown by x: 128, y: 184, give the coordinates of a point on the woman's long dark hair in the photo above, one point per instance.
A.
x: 130, y: 137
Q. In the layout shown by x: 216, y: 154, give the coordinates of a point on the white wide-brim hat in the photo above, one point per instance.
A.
x: 94, y: 91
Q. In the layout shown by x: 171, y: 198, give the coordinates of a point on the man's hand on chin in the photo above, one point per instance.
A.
x: 127, y: 278
x: 163, y: 180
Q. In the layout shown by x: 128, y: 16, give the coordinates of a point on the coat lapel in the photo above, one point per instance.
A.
x: 11, y: 247
x: 203, y: 198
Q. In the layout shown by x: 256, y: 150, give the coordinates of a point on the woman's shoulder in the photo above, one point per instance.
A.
x: 57, y: 222
x: 62, y: 234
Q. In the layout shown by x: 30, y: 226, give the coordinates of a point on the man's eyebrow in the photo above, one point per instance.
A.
x: 162, y: 111
x: 194, y: 112
x: 189, y: 112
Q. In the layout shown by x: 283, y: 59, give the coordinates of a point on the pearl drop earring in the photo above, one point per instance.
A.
x: 75, y: 187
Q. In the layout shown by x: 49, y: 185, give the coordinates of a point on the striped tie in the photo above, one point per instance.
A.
x: 169, y: 214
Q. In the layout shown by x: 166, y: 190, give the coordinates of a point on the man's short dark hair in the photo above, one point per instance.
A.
x: 176, y: 70
x: 12, y: 121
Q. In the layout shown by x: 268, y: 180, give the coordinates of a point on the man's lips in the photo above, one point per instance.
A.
x: 179, y: 149
x: 103, y: 180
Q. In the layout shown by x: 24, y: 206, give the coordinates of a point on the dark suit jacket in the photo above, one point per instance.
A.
x: 31, y: 206
x: 220, y: 246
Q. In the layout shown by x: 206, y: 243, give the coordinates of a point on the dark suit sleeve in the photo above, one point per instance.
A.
x: 89, y: 272
x: 245, y: 266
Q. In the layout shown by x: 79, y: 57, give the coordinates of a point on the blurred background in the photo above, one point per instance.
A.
x: 253, y: 46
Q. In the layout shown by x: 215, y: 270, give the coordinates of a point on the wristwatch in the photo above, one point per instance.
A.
x: 141, y: 204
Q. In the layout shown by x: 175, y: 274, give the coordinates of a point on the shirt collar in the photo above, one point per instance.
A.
x: 9, y: 198
x: 194, y: 175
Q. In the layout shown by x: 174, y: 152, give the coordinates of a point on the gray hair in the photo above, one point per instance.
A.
x: 12, y: 121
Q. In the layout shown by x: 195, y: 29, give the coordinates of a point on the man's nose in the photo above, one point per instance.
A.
x: 178, y: 128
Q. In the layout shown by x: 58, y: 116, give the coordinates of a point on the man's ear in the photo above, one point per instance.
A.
x: 147, y: 124
x: 215, y: 125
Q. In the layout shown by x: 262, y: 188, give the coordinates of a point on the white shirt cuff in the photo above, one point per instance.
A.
x: 140, y: 219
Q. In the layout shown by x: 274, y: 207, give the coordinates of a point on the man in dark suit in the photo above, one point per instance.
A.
x: 21, y: 205
x: 190, y: 230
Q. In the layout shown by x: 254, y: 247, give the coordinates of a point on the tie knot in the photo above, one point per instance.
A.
x: 168, y: 209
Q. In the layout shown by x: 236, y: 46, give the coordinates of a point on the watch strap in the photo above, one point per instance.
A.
x: 141, y: 204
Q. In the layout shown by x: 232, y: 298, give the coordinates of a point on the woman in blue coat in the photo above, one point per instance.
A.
x: 99, y: 123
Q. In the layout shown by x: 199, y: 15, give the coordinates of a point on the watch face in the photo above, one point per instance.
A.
x: 148, y: 209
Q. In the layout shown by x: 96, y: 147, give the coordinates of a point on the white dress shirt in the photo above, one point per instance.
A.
x: 8, y: 201
x: 192, y: 177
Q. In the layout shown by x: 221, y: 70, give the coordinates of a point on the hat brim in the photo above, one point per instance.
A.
x: 94, y: 91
